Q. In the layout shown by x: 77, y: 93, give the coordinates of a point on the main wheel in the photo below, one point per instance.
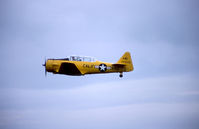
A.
x: 121, y: 75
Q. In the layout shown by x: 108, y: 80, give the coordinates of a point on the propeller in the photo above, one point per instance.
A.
x: 45, y: 67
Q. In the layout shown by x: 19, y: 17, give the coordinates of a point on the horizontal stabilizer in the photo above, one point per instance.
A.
x: 118, y: 65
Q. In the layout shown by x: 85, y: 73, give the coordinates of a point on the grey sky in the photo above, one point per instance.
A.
x: 162, y: 37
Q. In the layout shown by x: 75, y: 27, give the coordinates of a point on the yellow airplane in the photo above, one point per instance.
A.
x: 77, y: 65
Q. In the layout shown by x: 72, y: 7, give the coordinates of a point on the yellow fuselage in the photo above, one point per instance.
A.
x: 83, y: 67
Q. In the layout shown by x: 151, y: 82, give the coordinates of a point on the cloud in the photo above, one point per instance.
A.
x: 139, y: 103
x: 153, y: 115
x: 152, y: 90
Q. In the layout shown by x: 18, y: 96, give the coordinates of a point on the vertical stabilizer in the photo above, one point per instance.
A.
x: 126, y: 60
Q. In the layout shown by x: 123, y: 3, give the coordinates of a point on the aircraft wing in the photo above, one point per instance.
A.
x: 69, y: 69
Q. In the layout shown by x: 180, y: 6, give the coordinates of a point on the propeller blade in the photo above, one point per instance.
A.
x: 45, y: 66
x: 45, y: 72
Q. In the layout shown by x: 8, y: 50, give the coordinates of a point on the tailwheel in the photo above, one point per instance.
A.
x: 121, y: 75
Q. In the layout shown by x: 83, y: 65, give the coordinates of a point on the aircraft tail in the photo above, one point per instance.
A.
x: 126, y: 60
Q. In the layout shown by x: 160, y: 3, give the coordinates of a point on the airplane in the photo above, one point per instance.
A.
x: 82, y: 65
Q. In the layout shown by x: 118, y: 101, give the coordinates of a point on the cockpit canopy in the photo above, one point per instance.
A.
x: 78, y: 58
x: 81, y: 58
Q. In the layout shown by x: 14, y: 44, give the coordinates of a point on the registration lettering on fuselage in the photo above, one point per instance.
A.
x: 94, y: 66
x: 88, y: 66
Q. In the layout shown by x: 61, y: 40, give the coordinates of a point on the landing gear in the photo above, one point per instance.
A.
x: 121, y: 75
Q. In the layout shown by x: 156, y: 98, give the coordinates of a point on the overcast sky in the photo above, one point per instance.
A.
x: 161, y: 93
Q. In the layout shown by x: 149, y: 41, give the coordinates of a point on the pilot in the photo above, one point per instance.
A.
x: 73, y: 58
